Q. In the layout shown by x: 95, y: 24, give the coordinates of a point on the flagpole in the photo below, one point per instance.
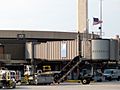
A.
x: 100, y: 28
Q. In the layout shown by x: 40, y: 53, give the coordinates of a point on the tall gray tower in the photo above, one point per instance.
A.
x: 82, y: 16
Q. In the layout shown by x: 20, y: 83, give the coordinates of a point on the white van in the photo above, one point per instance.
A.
x: 112, y: 74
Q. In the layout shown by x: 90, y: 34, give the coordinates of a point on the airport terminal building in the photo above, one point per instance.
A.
x: 38, y: 48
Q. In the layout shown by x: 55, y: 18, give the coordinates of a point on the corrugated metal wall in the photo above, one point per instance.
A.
x: 52, y: 50
x: 100, y: 49
x: 86, y: 49
x: 28, y: 50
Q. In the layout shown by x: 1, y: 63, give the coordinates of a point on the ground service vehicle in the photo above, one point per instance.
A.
x: 111, y: 74
x: 77, y: 61
x: 57, y: 77
x: 7, y: 79
x: 41, y: 78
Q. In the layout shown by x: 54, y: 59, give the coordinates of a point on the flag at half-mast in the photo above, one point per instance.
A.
x: 96, y: 21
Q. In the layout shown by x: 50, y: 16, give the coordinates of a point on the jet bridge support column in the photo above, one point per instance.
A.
x: 33, y: 63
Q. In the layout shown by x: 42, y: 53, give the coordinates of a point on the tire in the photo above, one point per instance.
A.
x: 1, y: 85
x: 100, y: 80
x: 118, y: 78
x: 85, y: 81
x: 30, y: 82
x: 36, y: 82
x: 12, y: 84
x: 110, y: 79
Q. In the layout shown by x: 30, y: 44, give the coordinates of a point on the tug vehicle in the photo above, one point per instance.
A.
x: 39, y: 77
x: 7, y: 79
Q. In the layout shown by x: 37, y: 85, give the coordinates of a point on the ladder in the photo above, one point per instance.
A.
x: 67, y: 69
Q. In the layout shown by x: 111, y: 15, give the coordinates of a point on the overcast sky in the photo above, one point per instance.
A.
x: 57, y: 15
x: 111, y: 16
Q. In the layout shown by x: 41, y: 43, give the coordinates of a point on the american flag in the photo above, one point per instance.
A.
x: 96, y: 21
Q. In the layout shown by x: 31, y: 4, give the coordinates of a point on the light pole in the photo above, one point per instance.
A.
x: 100, y: 28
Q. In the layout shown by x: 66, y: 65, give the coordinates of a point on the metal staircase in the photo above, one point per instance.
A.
x: 67, y: 69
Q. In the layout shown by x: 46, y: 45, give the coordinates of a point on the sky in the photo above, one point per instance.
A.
x: 111, y: 16
x: 57, y: 15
